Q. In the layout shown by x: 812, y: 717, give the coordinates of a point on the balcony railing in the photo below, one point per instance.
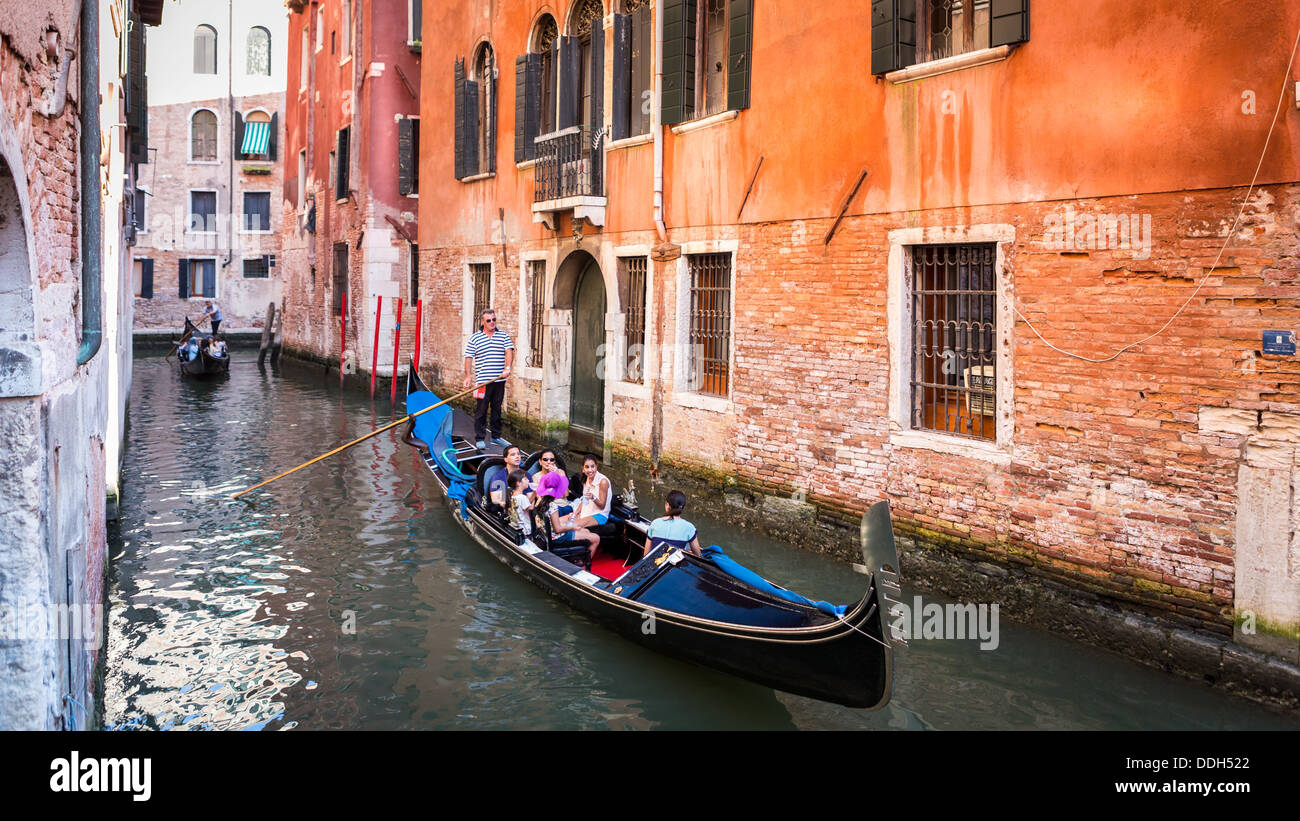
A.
x: 569, y: 164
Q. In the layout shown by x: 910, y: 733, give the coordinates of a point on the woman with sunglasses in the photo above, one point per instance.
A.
x: 548, y: 471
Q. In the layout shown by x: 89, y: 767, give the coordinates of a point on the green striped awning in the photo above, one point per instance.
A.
x: 257, y: 136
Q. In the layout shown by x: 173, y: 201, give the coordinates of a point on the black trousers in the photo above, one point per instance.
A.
x: 216, y: 325
x: 494, y: 393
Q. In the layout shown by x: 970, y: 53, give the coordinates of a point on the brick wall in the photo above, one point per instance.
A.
x: 169, y: 178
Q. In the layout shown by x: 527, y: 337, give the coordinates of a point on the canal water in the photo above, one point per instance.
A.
x: 345, y: 597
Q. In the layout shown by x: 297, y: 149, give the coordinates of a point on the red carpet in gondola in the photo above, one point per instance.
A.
x: 607, y: 566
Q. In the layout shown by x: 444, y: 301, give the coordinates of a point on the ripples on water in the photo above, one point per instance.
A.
x: 227, y: 615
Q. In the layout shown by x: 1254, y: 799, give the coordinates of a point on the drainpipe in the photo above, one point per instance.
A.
x: 230, y: 100
x: 656, y: 126
x: 92, y: 226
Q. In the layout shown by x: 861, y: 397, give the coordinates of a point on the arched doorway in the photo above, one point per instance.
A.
x: 587, y: 386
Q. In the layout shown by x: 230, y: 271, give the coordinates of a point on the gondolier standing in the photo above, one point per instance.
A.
x: 214, y: 311
x: 492, y: 352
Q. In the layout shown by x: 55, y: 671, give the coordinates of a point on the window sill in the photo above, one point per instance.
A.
x: 957, y: 62
x: 632, y: 390
x: 267, y: 232
x: 205, y: 162
x: 531, y: 374
x: 705, y: 122
x: 345, y: 61
x: 717, y: 404
x: 476, y: 177
x: 953, y: 445
x: 520, y: 166
x: 629, y: 142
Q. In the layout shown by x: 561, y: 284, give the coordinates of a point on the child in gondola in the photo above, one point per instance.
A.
x: 521, y: 507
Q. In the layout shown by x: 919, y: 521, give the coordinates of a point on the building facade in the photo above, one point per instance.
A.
x: 209, y: 226
x: 351, y: 193
x: 72, y: 129
x: 1016, y: 280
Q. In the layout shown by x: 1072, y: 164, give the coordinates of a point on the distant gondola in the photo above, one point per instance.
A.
x: 207, y: 356
x: 707, y: 610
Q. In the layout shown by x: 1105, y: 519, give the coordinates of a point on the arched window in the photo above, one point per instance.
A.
x: 484, y: 75
x: 545, y: 35
x: 203, y: 135
x: 259, y: 52
x: 205, y: 50
x: 585, y: 25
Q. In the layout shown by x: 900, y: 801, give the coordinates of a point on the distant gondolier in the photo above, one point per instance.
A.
x: 214, y: 311
x: 492, y: 352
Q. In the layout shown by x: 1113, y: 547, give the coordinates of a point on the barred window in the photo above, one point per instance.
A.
x: 710, y: 340
x: 482, y: 276
x: 537, y: 305
x: 954, y: 318
x: 634, y: 271
x: 257, y: 267
x: 340, y: 276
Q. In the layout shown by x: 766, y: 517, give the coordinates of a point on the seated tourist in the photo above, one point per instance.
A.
x: 521, y: 507
x: 672, y: 528
x: 497, y: 479
x: 549, y: 473
x: 597, y: 495
x: 563, y: 528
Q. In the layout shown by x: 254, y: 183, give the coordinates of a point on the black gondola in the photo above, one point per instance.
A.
x: 204, y: 358
x: 706, y: 610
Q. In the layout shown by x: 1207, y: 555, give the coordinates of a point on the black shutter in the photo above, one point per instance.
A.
x: 470, y: 108
x: 274, y: 138
x: 405, y: 156
x: 740, y: 45
x: 239, y: 136
x: 415, y: 155
x: 1009, y: 22
x: 528, y: 119
x: 183, y: 275
x: 341, y: 165
x: 568, y: 89
x: 678, y: 103
x: 416, y: 20
x: 462, y: 131
x: 146, y: 279
x: 893, y: 35
x: 490, y: 121
x: 210, y: 278
x: 622, y: 102
x: 597, y: 76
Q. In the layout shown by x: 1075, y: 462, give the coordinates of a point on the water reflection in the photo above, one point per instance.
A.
x: 345, y: 597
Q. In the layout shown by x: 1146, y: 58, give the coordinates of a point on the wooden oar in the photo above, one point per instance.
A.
x: 374, y: 432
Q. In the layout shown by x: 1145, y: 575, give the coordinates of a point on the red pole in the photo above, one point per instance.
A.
x: 374, y: 349
x: 343, y: 332
x: 397, y: 341
x: 419, y: 315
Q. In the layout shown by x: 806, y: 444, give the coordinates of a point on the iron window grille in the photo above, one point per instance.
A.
x: 537, y: 272
x: 710, y: 336
x: 257, y: 267
x: 482, y: 276
x: 954, y: 327
x: 340, y: 276
x: 634, y: 269
x: 569, y: 164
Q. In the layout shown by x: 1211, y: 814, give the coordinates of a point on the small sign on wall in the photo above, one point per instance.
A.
x: 980, y: 381
x: 1279, y: 343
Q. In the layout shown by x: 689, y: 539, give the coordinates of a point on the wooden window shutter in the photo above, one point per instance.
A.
x: 239, y: 136
x: 274, y: 139
x: 146, y: 279
x: 569, y: 92
x: 470, y: 109
x: 740, y: 45
x: 1009, y: 22
x: 183, y: 276
x: 528, y: 99
x: 622, y: 102
x: 210, y: 279
x: 678, y: 103
x: 489, y: 165
x: 597, y: 77
x: 893, y: 35
x: 405, y: 156
x: 462, y: 133
x: 342, y: 162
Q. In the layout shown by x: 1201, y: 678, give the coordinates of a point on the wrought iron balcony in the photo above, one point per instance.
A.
x: 569, y: 165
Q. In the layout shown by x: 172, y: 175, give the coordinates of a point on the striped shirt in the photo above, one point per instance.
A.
x: 489, y: 354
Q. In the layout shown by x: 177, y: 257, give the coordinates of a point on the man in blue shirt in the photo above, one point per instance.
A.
x: 214, y: 312
x: 492, y: 353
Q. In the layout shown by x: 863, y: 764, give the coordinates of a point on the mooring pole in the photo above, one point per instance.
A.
x: 343, y: 334
x: 419, y: 317
x: 266, y: 333
x: 374, y: 349
x: 397, y: 343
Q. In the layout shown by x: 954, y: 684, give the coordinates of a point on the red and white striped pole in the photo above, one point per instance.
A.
x: 343, y: 334
x: 397, y: 342
x: 374, y: 349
